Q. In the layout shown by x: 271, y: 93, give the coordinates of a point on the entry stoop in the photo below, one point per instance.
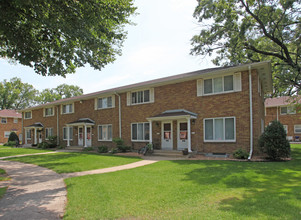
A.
x: 74, y: 148
x: 169, y: 153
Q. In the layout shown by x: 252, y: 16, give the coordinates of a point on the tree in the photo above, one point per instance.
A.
x: 16, y: 95
x: 55, y: 36
x: 62, y: 91
x: 243, y: 31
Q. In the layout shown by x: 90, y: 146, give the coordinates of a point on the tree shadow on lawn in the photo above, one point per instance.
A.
x: 269, y: 189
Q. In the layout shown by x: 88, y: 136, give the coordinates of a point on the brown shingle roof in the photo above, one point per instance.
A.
x: 280, y: 101
x: 10, y: 113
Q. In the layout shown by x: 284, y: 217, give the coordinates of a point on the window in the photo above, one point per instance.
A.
x: 104, y: 103
x: 104, y: 132
x: 27, y: 115
x: 219, y: 129
x: 3, y: 120
x: 28, y: 134
x: 48, y: 133
x: 285, y: 128
x: 297, y: 129
x: 48, y: 112
x: 15, y: 120
x: 140, y: 131
x: 6, y: 134
x: 140, y: 97
x: 287, y: 110
x: 219, y: 84
x: 65, y: 134
x: 67, y: 109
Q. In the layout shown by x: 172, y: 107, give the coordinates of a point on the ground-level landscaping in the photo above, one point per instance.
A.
x: 6, y: 151
x: 191, y: 190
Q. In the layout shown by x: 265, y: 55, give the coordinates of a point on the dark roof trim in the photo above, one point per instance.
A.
x: 82, y: 121
x: 35, y: 125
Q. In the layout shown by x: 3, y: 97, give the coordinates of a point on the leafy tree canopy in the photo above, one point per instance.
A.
x: 57, y: 36
x: 243, y: 31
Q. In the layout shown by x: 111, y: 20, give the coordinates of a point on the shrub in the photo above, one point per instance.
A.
x: 10, y: 143
x: 120, y: 146
x: 240, y: 154
x: 88, y: 149
x: 43, y: 145
x: 103, y: 149
x: 13, y: 137
x: 273, y: 141
x: 52, y: 141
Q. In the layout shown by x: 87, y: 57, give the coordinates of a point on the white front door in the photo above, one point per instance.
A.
x: 80, y: 136
x: 182, y: 135
x: 167, y: 136
x: 89, y: 137
x: 40, y: 137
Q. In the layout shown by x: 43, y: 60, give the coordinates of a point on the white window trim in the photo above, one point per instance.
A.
x: 151, y: 96
x: 5, y: 120
x: 47, y: 138
x: 27, y: 138
x: 7, y: 135
x: 223, y: 85
x: 102, y: 97
x: 220, y: 141
x: 295, y: 129
x: 291, y: 113
x: 16, y: 120
x: 71, y: 139
x: 137, y: 134
x: 108, y: 140
x: 73, y: 110
x: 285, y: 126
x: 30, y: 115
x: 48, y: 115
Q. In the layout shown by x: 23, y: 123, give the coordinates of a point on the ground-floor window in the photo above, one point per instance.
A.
x: 48, y: 133
x: 297, y: 129
x: 219, y: 129
x: 104, y: 132
x: 285, y: 128
x: 140, y: 131
x: 6, y: 134
x: 28, y: 134
x: 65, y: 133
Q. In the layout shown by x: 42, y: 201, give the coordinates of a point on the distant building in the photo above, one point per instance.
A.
x: 11, y: 121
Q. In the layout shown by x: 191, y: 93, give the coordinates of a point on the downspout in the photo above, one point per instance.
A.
x: 57, y: 127
x: 119, y: 113
x: 251, y: 113
x: 22, y: 130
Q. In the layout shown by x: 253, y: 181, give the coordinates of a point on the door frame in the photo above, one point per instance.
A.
x: 178, y: 134
x: 89, y: 145
x: 79, y: 136
x: 171, y: 134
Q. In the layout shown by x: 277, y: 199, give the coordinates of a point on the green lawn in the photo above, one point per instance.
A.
x: 191, y: 190
x: 75, y: 162
x: 3, y: 177
x: 11, y: 151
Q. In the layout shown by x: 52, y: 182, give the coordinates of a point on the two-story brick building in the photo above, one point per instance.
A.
x: 283, y: 109
x: 215, y: 110
x: 10, y: 122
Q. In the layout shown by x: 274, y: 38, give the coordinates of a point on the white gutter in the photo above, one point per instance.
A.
x: 57, y: 126
x: 119, y: 112
x: 251, y: 113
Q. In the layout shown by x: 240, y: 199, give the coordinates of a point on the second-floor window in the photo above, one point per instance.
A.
x: 68, y: 108
x: 287, y: 110
x: 104, y: 102
x: 3, y: 120
x: 140, y: 97
x: 27, y: 115
x: 49, y: 112
x: 218, y: 84
x: 16, y: 120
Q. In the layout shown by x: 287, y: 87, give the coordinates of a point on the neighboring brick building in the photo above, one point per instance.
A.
x: 206, y: 111
x: 11, y: 121
x: 283, y: 110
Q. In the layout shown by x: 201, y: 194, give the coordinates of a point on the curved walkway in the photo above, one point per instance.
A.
x: 36, y: 192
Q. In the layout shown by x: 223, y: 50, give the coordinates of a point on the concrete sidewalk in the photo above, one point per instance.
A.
x: 34, y: 192
x: 25, y: 155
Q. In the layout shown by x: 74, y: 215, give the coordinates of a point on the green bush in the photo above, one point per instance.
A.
x: 52, y: 141
x: 103, y: 149
x: 10, y: 143
x: 273, y: 141
x: 43, y: 145
x: 120, y: 145
x: 240, y: 154
x: 114, y: 151
x: 13, y: 137
x: 88, y: 149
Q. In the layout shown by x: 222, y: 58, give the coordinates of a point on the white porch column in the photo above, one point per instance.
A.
x: 189, y: 135
x: 25, y: 137
x: 150, y: 132
x: 35, y: 135
x: 85, y: 135
x: 68, y: 136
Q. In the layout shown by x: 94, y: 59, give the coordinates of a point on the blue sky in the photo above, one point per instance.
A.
x: 157, y: 46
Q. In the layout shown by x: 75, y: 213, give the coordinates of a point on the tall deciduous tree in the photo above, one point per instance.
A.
x: 57, y: 36
x: 243, y: 31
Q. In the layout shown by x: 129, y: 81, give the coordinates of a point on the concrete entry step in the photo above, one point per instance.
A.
x: 168, y: 153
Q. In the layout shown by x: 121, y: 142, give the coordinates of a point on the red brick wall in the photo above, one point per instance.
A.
x: 10, y: 126
x: 181, y: 95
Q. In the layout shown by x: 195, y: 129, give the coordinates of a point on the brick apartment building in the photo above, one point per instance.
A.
x: 283, y: 110
x: 208, y: 111
x: 11, y: 121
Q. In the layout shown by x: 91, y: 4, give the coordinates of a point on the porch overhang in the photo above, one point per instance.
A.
x: 37, y: 125
x: 82, y: 122
x: 175, y: 114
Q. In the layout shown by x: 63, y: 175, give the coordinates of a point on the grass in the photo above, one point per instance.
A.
x: 3, y: 177
x: 191, y: 190
x: 75, y: 162
x: 12, y: 151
